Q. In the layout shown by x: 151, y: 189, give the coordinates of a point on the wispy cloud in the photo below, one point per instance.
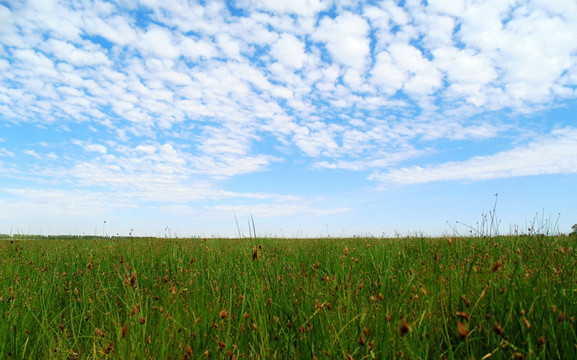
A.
x: 552, y: 154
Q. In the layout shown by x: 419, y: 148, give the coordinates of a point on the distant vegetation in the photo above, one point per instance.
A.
x: 363, y: 298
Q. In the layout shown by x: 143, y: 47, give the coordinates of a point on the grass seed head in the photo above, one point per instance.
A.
x: 498, y: 329
x: 462, y: 330
x: 466, y: 300
x: 463, y: 315
x: 223, y: 314
x: 562, y: 317
x: 526, y: 323
x: 404, y: 328
x: 496, y: 266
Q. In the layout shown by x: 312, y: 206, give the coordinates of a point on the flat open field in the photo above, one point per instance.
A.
x: 361, y: 298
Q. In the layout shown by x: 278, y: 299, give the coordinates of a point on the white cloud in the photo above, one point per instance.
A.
x: 405, y: 66
x: 378, y: 161
x: 449, y: 7
x: 33, y: 153
x: 465, y: 66
x: 531, y: 50
x: 95, y: 148
x: 116, y: 29
x: 197, y: 49
x: 289, y: 51
x: 346, y: 38
x: 39, y: 62
x: 5, y: 152
x: 299, y: 7
x: 385, y: 74
x: 70, y: 53
x: 229, y: 46
x: 158, y: 41
x: 552, y: 154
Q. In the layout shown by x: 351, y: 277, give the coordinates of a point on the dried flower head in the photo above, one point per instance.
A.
x: 498, y: 329
x: 462, y: 330
x: 404, y: 328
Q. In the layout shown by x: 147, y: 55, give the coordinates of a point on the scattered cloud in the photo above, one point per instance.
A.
x: 175, y: 100
x: 4, y: 152
x: 552, y: 154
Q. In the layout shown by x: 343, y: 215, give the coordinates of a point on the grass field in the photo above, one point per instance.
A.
x: 361, y: 298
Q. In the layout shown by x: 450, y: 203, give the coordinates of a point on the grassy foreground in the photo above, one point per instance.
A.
x: 362, y: 298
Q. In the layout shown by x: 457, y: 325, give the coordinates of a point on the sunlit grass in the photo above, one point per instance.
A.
x: 417, y: 298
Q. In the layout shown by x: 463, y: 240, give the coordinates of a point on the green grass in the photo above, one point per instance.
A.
x: 362, y: 298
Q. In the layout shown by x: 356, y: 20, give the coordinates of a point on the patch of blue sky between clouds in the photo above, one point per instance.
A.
x: 195, y: 108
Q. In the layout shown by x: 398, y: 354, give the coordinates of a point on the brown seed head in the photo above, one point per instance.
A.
x: 497, y: 266
x: 133, y: 279
x: 526, y: 323
x: 463, y: 315
x: 466, y: 300
x: 462, y: 330
x: 404, y: 328
x: 135, y: 309
x: 223, y: 314
x: 498, y: 329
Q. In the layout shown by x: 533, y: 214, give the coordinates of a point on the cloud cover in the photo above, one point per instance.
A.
x: 170, y: 100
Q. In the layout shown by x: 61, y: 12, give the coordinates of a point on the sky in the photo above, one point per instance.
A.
x: 307, y: 117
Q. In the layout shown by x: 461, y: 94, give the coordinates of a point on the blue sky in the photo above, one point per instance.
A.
x: 315, y: 117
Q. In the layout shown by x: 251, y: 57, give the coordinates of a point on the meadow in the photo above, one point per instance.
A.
x: 504, y: 297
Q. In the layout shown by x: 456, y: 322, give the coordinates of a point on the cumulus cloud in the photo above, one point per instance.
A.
x: 158, y: 42
x: 346, y: 39
x: 289, y: 51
